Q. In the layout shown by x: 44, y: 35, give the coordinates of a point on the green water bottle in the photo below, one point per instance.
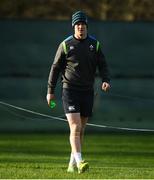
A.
x: 52, y: 104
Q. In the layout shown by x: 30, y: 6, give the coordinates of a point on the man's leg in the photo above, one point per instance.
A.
x: 74, y: 121
x: 75, y: 125
x: 84, y: 121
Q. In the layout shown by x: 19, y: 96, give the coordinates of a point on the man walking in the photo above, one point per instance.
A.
x: 77, y: 59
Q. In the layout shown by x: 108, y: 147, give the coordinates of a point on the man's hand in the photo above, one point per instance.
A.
x: 50, y: 97
x: 105, y: 86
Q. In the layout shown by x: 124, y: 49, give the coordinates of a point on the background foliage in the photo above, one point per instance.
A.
x: 125, y: 10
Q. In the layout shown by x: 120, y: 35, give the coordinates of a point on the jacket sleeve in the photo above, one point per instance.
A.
x: 102, y: 66
x: 56, y: 68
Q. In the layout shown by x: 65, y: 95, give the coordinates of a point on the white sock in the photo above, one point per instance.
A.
x: 78, y: 158
x: 72, y: 160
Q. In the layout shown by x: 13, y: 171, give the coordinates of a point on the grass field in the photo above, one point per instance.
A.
x: 46, y: 156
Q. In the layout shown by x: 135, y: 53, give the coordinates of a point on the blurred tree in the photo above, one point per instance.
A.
x: 125, y: 10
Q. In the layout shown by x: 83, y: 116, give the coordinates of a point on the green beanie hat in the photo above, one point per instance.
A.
x: 79, y: 16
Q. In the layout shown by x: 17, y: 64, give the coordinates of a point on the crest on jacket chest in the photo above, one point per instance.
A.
x: 71, y: 47
x: 91, y: 47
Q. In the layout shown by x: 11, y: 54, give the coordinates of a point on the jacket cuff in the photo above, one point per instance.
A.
x: 106, y: 80
x: 50, y: 91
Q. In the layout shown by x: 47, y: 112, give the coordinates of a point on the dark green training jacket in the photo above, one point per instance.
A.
x: 78, y: 60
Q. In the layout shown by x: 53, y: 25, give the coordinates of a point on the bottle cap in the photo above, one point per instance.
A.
x: 52, y: 104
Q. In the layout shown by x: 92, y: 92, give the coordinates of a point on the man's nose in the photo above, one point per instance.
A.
x: 80, y: 25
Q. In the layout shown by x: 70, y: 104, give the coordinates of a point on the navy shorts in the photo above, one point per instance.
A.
x: 75, y: 101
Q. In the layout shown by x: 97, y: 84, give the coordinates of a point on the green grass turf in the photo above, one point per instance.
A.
x: 46, y: 156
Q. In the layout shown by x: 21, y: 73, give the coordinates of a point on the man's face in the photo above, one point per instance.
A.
x: 80, y: 30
